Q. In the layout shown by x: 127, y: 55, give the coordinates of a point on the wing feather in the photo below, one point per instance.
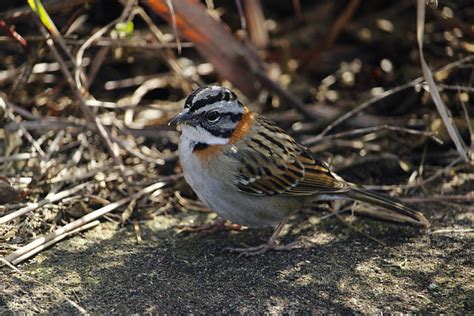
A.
x: 273, y: 163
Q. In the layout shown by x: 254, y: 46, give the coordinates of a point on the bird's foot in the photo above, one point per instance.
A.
x: 217, y: 225
x: 258, y: 250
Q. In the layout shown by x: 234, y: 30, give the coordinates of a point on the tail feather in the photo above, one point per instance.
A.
x: 399, y: 211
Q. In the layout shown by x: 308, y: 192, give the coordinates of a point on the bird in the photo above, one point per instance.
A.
x: 253, y: 173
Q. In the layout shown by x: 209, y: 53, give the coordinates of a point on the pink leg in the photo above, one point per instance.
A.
x: 271, y: 244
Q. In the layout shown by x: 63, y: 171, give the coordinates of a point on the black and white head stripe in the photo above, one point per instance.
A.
x: 203, y: 96
x: 214, y: 114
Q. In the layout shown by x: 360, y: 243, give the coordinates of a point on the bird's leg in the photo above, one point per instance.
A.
x: 271, y: 244
x: 218, y: 224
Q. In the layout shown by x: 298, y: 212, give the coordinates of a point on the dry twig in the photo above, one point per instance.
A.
x: 50, y: 198
x: 442, y: 108
x: 23, y: 253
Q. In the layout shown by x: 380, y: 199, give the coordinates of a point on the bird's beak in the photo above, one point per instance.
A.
x: 181, y: 118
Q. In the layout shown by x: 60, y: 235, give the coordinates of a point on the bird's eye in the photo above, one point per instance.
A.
x: 213, y: 116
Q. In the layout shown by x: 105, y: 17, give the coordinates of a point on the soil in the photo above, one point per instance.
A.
x: 105, y: 270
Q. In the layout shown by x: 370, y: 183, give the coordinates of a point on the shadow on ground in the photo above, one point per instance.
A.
x: 106, y: 270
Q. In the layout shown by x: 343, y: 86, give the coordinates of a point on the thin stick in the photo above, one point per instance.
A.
x: 168, y: 54
x: 54, y: 145
x: 48, y: 200
x: 8, y: 264
x: 468, y: 121
x: 19, y: 156
x: 53, y: 241
x: 368, y: 103
x: 28, y: 136
x: 387, y: 93
x: 85, y: 109
x: 53, y: 289
x: 437, y: 198
x: 455, y: 87
x: 433, y: 90
x: 18, y: 109
x: 81, y: 51
x: 355, y: 132
x: 334, y: 213
x: 169, y: 3
x: 138, y: 231
x: 108, y: 42
x: 452, y: 231
x: 339, y: 25
x: 240, y: 10
x: 357, y: 230
x: 253, y: 18
x: 297, y: 9
x: 437, y: 174
x: 80, y: 222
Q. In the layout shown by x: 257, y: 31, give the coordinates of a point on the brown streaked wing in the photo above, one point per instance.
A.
x: 273, y: 163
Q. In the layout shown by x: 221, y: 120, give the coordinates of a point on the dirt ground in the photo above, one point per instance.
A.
x: 105, y: 269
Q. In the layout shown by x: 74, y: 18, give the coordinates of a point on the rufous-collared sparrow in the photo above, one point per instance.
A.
x: 251, y: 172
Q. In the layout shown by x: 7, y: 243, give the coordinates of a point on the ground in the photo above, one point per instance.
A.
x: 339, y: 270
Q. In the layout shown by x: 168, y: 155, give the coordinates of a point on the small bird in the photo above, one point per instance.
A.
x: 251, y: 172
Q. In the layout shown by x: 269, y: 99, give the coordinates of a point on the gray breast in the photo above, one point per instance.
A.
x: 214, y: 185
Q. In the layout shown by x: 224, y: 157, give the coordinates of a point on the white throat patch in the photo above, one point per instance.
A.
x: 197, y: 134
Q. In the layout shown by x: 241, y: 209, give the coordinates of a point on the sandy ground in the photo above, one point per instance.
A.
x: 339, y: 270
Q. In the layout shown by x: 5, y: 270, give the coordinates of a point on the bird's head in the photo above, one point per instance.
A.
x: 210, y: 116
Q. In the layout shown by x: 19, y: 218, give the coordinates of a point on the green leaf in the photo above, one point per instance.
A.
x: 125, y: 28
x: 38, y: 8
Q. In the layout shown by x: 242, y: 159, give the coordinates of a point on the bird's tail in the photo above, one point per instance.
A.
x: 399, y: 212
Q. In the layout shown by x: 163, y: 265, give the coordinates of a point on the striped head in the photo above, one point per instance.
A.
x: 210, y: 116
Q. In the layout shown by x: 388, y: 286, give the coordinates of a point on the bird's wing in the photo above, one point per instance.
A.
x: 273, y: 163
